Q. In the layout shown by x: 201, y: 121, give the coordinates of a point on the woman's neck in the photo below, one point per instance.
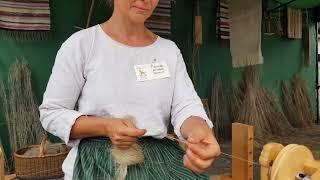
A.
x: 123, y: 30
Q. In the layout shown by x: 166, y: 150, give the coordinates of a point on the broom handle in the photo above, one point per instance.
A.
x: 90, y: 13
x: 1, y: 165
x: 42, y: 145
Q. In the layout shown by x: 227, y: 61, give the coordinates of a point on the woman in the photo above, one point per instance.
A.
x: 121, y: 68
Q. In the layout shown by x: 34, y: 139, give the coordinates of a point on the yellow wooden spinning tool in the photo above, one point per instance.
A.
x: 293, y: 162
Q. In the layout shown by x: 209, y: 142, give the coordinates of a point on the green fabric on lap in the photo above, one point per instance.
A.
x: 163, y: 161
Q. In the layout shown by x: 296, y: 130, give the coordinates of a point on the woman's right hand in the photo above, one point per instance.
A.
x: 123, y: 133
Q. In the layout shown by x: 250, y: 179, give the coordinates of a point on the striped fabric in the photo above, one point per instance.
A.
x: 223, y: 21
x: 27, y: 15
x: 163, y: 161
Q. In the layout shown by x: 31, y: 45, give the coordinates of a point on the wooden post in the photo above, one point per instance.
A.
x: 1, y: 164
x: 90, y: 13
x: 198, y: 30
x: 242, y: 147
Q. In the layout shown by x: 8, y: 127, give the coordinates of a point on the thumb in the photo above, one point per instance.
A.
x: 194, y: 139
x: 134, y: 132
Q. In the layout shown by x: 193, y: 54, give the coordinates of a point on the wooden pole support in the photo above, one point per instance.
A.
x: 1, y: 164
x: 198, y: 30
x: 90, y: 13
x: 242, y: 147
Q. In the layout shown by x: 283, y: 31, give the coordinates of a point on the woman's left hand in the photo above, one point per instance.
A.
x: 202, y: 149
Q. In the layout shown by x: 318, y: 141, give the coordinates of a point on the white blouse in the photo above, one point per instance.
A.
x: 97, y: 74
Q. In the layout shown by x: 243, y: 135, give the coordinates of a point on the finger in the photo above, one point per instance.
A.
x: 197, y: 138
x: 125, y: 143
x: 187, y: 163
x: 133, y: 132
x: 117, y: 140
x: 129, y: 123
x: 128, y: 139
x: 194, y: 140
x: 197, y: 162
x: 118, y: 143
x: 205, y: 152
x: 214, y: 145
x: 123, y: 147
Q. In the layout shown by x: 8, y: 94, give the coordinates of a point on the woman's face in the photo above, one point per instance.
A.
x: 138, y: 11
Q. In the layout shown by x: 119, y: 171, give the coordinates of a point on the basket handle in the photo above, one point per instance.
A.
x: 42, y: 145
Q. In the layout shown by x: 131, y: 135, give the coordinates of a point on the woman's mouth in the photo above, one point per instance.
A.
x: 141, y: 9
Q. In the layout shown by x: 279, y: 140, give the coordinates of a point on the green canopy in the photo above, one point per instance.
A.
x: 301, y: 4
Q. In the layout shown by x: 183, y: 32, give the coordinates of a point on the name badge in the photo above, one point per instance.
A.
x: 146, y: 72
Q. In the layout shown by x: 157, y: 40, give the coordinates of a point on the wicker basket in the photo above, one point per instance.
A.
x: 42, y: 167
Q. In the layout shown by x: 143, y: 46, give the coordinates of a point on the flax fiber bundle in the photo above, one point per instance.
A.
x: 127, y: 157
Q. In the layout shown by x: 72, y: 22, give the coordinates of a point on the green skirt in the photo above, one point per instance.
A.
x: 163, y: 161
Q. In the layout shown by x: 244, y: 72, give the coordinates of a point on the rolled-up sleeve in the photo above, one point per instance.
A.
x: 57, y: 113
x: 185, y: 102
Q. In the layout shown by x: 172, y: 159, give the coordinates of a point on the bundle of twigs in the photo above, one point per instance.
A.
x: 2, y: 153
x: 20, y: 107
x: 219, y: 110
x: 297, y: 104
x: 253, y: 105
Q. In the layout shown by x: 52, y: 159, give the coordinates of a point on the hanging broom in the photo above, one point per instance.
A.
x: 258, y: 107
x: 2, y: 162
x: 20, y: 107
x: 297, y: 103
x: 220, y: 114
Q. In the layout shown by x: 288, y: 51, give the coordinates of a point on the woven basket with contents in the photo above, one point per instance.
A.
x: 42, y: 161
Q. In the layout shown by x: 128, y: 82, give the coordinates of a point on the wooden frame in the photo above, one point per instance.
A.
x: 242, y: 147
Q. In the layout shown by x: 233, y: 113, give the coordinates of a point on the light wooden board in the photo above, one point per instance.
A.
x: 242, y: 147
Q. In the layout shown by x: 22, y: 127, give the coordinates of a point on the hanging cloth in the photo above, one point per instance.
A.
x: 25, y: 19
x: 223, y: 20
x: 245, y: 32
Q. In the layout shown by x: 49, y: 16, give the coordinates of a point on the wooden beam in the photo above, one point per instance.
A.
x: 242, y: 147
x: 1, y: 164
x: 198, y: 30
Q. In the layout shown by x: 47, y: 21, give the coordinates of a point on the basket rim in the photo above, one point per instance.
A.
x: 37, y: 157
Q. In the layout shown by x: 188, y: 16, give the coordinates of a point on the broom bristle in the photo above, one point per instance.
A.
x: 220, y: 115
x: 21, y: 109
x: 253, y: 105
x: 297, y: 103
